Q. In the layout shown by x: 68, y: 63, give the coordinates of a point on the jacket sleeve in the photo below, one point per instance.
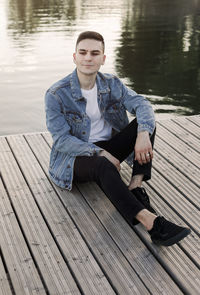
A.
x: 60, y: 130
x: 138, y: 105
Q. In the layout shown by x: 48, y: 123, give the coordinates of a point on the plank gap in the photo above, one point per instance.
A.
x: 194, y: 121
x: 173, y: 132
x: 177, y: 188
x: 186, y: 129
x: 194, y: 164
x: 175, y: 166
x: 189, y: 255
x: 7, y: 273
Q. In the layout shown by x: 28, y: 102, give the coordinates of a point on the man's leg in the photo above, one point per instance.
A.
x: 101, y: 170
x: 122, y: 145
x: 105, y: 174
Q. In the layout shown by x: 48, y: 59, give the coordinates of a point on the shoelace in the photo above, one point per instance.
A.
x: 144, y: 196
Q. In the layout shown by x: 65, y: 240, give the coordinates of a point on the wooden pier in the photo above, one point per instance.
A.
x: 56, y: 242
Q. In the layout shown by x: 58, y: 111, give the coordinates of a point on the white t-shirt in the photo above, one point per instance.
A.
x: 100, y: 130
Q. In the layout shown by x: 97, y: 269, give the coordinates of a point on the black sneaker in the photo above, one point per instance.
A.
x: 166, y: 233
x: 141, y: 195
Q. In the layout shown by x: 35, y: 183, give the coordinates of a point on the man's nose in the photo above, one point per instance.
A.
x: 88, y: 56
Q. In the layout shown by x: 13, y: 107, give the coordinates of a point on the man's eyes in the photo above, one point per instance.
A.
x: 92, y: 53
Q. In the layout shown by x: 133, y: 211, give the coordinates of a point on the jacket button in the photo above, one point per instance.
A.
x: 83, y: 132
x: 68, y: 166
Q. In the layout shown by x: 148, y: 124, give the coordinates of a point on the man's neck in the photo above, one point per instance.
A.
x: 86, y: 81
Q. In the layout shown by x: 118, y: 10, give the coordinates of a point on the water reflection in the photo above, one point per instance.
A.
x: 152, y: 45
x: 30, y: 16
x: 159, y: 52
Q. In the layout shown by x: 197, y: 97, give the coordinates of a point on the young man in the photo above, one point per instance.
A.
x: 86, y: 115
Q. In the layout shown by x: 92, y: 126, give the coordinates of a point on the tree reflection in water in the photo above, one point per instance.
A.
x: 30, y: 16
x: 159, y: 51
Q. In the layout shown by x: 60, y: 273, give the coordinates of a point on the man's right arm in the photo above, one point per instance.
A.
x: 60, y: 131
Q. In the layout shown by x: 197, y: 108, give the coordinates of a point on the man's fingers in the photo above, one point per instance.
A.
x: 118, y: 166
x: 151, y: 154
x: 148, y: 156
x: 138, y: 158
x: 144, y: 157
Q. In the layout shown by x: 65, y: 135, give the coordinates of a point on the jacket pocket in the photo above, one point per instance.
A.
x: 75, y: 121
x: 116, y: 115
x: 114, y: 107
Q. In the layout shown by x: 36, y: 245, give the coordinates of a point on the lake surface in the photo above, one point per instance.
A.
x: 152, y: 45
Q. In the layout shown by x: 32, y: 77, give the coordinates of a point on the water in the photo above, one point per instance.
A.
x: 153, y: 45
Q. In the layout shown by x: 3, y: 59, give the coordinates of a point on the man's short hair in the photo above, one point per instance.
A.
x: 90, y: 35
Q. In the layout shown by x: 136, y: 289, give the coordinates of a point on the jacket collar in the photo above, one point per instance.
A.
x: 75, y: 86
x: 102, y: 85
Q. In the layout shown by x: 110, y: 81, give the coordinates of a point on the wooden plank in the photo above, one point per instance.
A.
x: 86, y: 270
x: 174, y: 259
x: 188, y: 125
x: 22, y: 270
x: 116, y: 267
x: 195, y: 120
x: 177, y: 179
x: 183, y: 257
x: 179, y: 161
x: 181, y: 133
x: 179, y: 272
x: 176, y: 201
x: 178, y: 145
x: 5, y: 288
x: 50, y: 263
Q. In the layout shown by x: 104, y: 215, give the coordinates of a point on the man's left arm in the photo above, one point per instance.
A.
x: 141, y: 107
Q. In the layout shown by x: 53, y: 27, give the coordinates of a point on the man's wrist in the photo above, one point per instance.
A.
x: 143, y: 133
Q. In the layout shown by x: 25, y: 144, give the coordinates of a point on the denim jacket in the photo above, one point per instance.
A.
x: 69, y: 124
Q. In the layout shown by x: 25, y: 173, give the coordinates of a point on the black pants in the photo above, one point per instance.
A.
x: 105, y: 174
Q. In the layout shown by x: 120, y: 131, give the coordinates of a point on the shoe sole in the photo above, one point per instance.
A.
x: 135, y: 222
x: 173, y: 240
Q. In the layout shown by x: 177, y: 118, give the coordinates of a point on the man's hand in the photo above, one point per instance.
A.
x: 111, y: 158
x: 143, y: 148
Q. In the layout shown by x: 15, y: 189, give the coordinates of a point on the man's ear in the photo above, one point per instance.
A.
x: 104, y: 59
x: 74, y: 57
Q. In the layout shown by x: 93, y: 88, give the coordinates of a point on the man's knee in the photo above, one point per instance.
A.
x: 103, y: 164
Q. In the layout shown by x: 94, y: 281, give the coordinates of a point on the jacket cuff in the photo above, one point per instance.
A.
x: 95, y: 150
x: 145, y: 127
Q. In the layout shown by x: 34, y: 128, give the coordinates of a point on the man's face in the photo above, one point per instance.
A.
x: 89, y: 56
